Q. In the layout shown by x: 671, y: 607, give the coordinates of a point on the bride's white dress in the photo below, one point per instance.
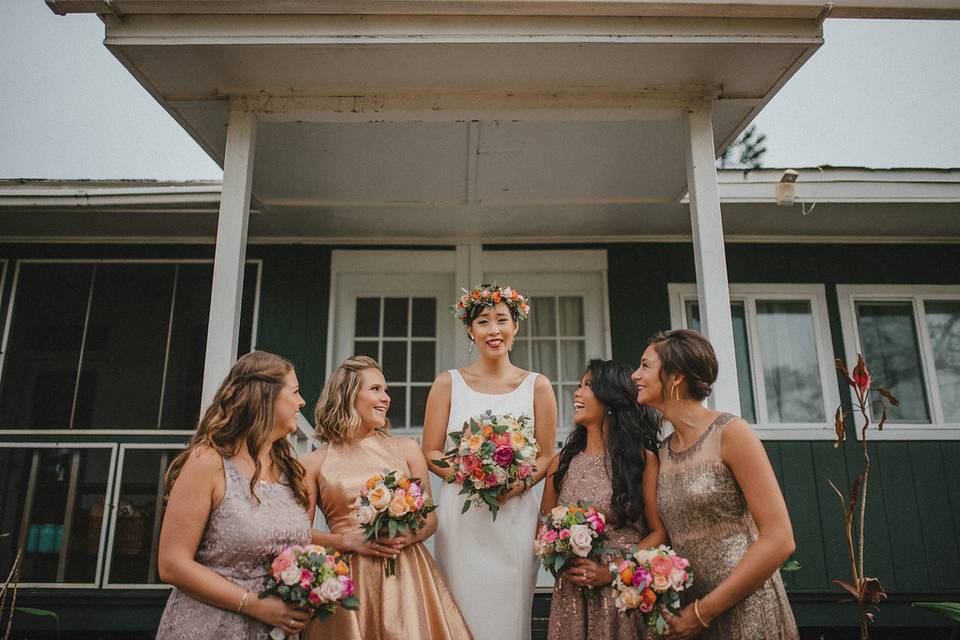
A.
x: 489, y: 565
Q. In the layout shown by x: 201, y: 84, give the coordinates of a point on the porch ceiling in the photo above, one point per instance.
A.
x: 459, y: 110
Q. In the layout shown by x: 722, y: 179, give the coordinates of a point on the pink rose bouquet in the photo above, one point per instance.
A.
x: 392, y: 503
x: 490, y: 453
x: 568, y: 532
x: 310, y: 576
x: 651, y: 580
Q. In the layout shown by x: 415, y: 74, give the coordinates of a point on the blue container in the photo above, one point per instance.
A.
x: 33, y: 538
x: 48, y: 539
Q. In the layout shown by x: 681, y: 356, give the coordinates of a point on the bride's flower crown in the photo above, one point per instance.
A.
x: 488, y: 295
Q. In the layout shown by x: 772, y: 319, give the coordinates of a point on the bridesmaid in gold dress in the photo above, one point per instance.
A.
x: 610, y: 461
x: 719, y: 500
x: 351, y: 417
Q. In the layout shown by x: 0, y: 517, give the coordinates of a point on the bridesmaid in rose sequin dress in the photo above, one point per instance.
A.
x: 232, y: 509
x: 719, y: 499
x: 609, y: 461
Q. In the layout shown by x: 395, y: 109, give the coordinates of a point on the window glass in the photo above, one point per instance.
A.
x: 943, y: 325
x: 52, y: 503
x: 791, y: 373
x: 43, y: 346
x: 889, y: 340
x: 133, y: 556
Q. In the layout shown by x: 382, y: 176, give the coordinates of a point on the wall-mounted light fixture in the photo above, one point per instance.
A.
x: 786, y: 188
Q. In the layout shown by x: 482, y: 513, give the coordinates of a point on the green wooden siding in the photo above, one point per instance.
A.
x: 913, y: 519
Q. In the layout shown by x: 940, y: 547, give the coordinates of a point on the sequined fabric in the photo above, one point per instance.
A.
x: 577, y: 612
x: 415, y: 603
x: 241, y: 535
x: 708, y: 522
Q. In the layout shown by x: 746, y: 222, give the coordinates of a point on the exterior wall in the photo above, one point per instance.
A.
x: 914, y: 507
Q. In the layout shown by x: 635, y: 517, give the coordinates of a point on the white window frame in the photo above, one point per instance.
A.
x: 113, y: 432
x: 848, y: 296
x: 114, y: 514
x: 101, y: 548
x: 748, y: 293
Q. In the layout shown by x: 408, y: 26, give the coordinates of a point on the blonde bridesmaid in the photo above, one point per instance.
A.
x: 351, y: 417
x: 719, y: 500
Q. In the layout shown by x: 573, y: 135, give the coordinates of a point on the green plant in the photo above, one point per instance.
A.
x: 866, y: 591
x: 10, y: 588
x: 950, y: 609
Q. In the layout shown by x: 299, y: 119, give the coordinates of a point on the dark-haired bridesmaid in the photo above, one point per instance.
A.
x: 719, y: 499
x: 610, y: 461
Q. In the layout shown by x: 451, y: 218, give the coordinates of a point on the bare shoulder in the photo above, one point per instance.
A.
x: 443, y: 382
x: 204, y: 460
x: 542, y: 384
x: 314, y: 460
x: 738, y: 439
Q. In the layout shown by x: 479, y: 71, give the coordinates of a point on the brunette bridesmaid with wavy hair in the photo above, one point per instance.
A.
x: 236, y: 498
x: 351, y: 418
x: 719, y: 500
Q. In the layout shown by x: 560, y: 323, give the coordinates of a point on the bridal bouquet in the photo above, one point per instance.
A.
x: 651, y: 580
x: 489, y: 453
x: 310, y: 576
x: 393, y: 503
x: 570, y: 531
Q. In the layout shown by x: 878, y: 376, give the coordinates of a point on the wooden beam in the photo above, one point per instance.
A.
x: 223, y: 328
x: 713, y: 291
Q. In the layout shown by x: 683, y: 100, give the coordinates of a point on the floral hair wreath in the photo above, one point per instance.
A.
x: 488, y: 295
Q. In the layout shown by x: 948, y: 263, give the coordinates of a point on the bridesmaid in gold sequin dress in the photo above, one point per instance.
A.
x: 234, y: 506
x: 351, y: 417
x: 719, y: 499
x: 609, y: 460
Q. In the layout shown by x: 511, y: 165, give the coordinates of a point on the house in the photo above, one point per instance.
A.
x: 379, y: 154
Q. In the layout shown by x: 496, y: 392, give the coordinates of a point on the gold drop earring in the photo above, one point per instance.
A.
x: 675, y: 392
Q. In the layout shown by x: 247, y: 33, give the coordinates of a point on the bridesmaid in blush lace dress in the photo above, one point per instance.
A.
x: 351, y: 417
x: 610, y: 461
x: 236, y: 499
x: 719, y: 499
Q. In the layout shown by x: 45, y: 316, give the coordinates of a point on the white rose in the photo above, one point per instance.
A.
x: 581, y: 539
x: 558, y: 514
x: 290, y: 575
x: 331, y: 589
x: 366, y: 514
x: 528, y: 453
x: 500, y: 474
x: 645, y: 556
x: 380, y: 497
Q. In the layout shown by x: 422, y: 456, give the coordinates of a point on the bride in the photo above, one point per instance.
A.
x: 489, y: 565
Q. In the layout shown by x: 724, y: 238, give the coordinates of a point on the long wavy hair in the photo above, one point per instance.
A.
x: 336, y: 414
x: 242, y: 413
x: 629, y: 429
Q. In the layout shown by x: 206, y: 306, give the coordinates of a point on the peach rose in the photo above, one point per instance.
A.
x: 379, y: 497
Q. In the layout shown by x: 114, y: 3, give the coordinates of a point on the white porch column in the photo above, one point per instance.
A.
x: 224, y: 326
x: 709, y: 255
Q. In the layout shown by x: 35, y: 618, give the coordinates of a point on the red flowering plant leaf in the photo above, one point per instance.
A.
x: 838, y: 426
x: 871, y: 591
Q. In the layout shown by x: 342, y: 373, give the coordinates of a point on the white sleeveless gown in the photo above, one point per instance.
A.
x: 489, y: 566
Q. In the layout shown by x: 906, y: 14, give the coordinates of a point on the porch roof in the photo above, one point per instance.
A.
x: 852, y: 204
x: 460, y: 104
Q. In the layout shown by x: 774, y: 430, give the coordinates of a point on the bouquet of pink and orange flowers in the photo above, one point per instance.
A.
x: 489, y: 453
x: 651, y: 580
x: 570, y: 531
x: 392, y: 503
x: 310, y: 576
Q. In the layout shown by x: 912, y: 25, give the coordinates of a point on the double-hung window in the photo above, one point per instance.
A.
x: 784, y: 357
x: 910, y: 339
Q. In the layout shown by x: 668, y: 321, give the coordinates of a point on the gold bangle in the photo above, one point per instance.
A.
x: 243, y: 601
x: 696, y: 610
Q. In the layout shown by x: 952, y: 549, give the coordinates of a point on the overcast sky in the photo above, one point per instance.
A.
x: 877, y: 94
